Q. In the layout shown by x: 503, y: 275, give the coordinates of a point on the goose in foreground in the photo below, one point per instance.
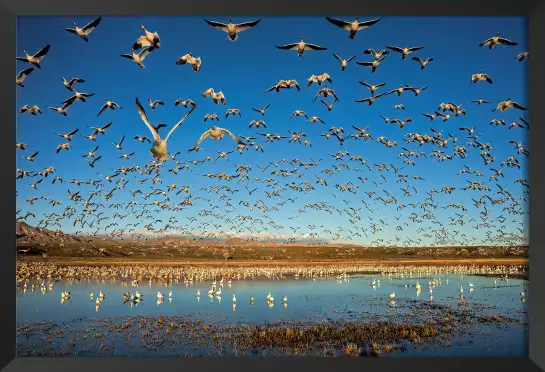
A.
x: 373, y: 64
x: 36, y: 58
x: 522, y: 56
x: 495, y: 40
x: 78, y: 97
x: 329, y: 105
x: 300, y: 47
x: 344, y: 61
x: 188, y: 58
x: 217, y: 97
x: 475, y: 78
x: 85, y: 30
x: 61, y: 110
x: 377, y: 54
x: 148, y: 39
x: 423, y: 63
x: 354, y: 26
x: 217, y: 134
x: 22, y: 75
x: 185, y: 102
x: 70, y: 84
x: 159, y: 146
x: 507, y: 104
x: 231, y: 28
x: 262, y: 111
x: 109, y: 104
x: 372, y: 88
x: 139, y: 58
x: 405, y: 51
x: 154, y: 104
x: 32, y: 110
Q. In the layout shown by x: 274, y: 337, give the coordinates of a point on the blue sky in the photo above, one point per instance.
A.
x: 243, y: 70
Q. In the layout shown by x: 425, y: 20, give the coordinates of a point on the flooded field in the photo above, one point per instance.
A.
x: 345, y: 314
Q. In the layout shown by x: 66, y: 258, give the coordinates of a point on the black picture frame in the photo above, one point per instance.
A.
x: 534, y: 10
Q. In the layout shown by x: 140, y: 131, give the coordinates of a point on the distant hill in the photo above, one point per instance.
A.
x: 36, y: 241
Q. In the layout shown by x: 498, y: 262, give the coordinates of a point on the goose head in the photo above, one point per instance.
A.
x: 357, y: 17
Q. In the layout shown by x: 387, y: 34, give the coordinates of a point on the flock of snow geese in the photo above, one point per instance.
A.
x: 89, y: 212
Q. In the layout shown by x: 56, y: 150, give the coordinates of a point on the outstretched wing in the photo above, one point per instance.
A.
x: 394, y: 48
x: 179, y: 123
x: 218, y: 25
x: 25, y: 72
x: 339, y: 23
x: 42, y: 52
x: 237, y: 140
x: 145, y: 52
x: 288, y: 46
x: 314, y: 47
x: 91, y: 26
x: 142, y: 41
x: 338, y: 58
x: 204, y: 135
x: 145, y: 120
x: 246, y: 25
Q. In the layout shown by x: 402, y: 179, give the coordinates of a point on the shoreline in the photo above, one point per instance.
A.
x: 106, y: 261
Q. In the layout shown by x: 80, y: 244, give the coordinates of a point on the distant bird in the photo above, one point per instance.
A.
x: 522, y: 56
x: 374, y: 65
x: 372, y: 88
x: 119, y: 144
x: 422, y: 63
x: 257, y: 123
x: 475, y: 78
x: 211, y: 117
x: 325, y: 92
x: 354, y: 26
x: 109, y: 104
x: 232, y: 111
x: 31, y: 157
x: 154, y: 104
x: 231, y: 28
x: 139, y: 58
x: 78, y: 97
x: 300, y: 47
x: 217, y: 134
x: 377, y: 54
x: 405, y: 51
x: 31, y: 110
x: 216, y: 97
x: 344, y: 62
x: 68, y: 136
x: 495, y: 40
x: 399, y: 106
x: 188, y: 58
x: 480, y: 101
x: 159, y: 146
x: 85, y: 30
x: 329, y: 105
x: 69, y: 84
x: 507, y: 104
x: 63, y: 146
x: 142, y: 139
x: 36, y: 58
x: 371, y: 99
x: 61, y: 110
x: 22, y: 75
x: 102, y: 130
x: 185, y: 102
x: 262, y: 111
x: 148, y: 39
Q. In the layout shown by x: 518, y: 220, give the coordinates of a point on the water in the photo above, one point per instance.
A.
x: 319, y: 300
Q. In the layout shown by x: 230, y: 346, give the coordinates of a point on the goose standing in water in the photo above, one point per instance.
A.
x: 22, y: 75
x: 405, y: 51
x: 507, y: 104
x: 217, y: 134
x: 344, y: 61
x: 495, y: 40
x: 392, y: 295
x: 234, y: 300
x: 139, y: 58
x: 231, y: 28
x: 354, y: 26
x: 36, y: 58
x: 85, y: 30
x: 148, y: 39
x: 159, y: 146
x: 300, y: 47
